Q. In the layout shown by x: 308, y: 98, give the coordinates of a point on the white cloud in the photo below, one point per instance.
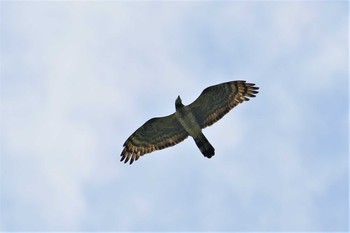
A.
x: 87, y: 74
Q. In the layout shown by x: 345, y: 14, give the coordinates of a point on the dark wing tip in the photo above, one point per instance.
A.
x: 126, y: 154
x: 132, y: 153
x: 247, y: 89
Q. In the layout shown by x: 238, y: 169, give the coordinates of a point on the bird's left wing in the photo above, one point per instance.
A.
x: 156, y: 134
x: 215, y: 101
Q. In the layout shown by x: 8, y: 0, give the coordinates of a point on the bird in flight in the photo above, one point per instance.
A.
x: 188, y: 120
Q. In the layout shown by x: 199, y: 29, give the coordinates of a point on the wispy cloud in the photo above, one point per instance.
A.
x: 79, y: 77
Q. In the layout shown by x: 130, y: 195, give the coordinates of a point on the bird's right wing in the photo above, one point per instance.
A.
x: 156, y: 134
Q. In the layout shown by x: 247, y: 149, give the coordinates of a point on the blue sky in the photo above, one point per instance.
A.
x: 77, y: 78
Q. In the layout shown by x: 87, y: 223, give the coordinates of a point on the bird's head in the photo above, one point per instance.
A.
x: 178, y: 103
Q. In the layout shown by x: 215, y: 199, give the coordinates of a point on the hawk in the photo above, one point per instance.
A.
x: 161, y: 132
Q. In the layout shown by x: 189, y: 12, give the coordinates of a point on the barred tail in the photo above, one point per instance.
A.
x: 204, y: 146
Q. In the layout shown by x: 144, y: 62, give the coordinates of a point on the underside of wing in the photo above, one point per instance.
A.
x: 155, y: 134
x: 215, y: 101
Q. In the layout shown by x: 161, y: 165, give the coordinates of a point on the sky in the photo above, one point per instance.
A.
x: 78, y: 77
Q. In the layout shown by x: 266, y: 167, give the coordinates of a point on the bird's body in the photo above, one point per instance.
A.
x: 188, y: 121
x: 213, y: 103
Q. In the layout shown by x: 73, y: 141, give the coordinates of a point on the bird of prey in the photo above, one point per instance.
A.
x: 188, y: 120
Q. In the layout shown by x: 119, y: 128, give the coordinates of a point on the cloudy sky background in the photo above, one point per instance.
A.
x: 77, y: 78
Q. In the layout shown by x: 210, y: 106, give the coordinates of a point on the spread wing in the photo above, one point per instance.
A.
x: 155, y: 134
x: 215, y: 101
